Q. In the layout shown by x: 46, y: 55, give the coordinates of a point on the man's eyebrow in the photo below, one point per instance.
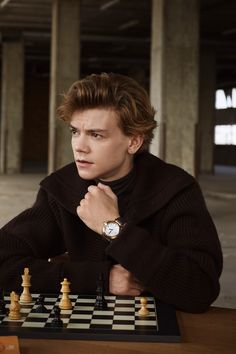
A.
x: 96, y: 130
x: 91, y: 129
x: 72, y: 127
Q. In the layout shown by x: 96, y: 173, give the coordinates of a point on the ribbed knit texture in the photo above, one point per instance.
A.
x: 169, y: 243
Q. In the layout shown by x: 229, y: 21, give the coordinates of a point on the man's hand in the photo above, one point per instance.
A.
x: 122, y: 282
x: 99, y: 205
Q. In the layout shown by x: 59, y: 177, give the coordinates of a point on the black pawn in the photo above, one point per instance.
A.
x: 3, y: 310
x: 56, y: 321
x: 41, y: 307
x: 100, y: 303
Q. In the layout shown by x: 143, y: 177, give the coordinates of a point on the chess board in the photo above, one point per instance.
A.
x: 120, y: 322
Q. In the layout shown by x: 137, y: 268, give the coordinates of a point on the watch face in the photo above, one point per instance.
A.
x: 112, y: 229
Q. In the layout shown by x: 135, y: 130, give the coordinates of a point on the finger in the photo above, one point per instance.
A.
x: 107, y: 190
x: 92, y: 189
x: 138, y: 287
x: 134, y: 292
x: 87, y: 196
x: 82, y: 202
x: 78, y: 210
x: 129, y: 292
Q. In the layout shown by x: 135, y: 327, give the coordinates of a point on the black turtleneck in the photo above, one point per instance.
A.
x: 123, y: 188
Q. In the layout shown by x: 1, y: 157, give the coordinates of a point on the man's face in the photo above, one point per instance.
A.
x: 101, y: 150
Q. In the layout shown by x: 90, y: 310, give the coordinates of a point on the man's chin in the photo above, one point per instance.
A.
x: 85, y: 175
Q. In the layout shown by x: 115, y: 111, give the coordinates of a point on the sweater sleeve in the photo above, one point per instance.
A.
x: 29, y: 240
x: 179, y: 259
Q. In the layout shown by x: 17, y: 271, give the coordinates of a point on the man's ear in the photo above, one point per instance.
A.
x: 135, y: 143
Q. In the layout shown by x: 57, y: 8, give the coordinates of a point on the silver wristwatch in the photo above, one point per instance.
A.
x: 111, y: 229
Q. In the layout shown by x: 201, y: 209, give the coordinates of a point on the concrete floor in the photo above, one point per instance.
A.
x: 17, y: 192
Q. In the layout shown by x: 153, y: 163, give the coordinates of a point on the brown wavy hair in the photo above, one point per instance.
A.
x: 124, y: 95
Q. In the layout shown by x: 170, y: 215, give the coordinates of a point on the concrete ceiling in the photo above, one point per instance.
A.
x: 117, y: 37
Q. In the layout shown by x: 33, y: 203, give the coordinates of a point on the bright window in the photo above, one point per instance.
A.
x: 224, y: 101
x: 225, y: 134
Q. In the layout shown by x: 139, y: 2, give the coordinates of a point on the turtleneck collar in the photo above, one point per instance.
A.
x: 122, y: 185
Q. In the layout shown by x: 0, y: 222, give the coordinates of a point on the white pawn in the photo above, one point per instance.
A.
x: 143, y: 310
x: 14, y: 313
x: 26, y: 296
x: 65, y: 303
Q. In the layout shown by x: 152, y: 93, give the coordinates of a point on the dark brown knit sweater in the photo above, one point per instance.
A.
x: 169, y: 243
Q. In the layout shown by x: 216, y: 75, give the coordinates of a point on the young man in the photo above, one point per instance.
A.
x: 117, y: 209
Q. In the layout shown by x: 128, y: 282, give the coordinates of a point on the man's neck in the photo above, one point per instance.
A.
x: 122, y: 185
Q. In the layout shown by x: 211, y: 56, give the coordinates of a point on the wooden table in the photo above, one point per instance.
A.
x: 212, y: 332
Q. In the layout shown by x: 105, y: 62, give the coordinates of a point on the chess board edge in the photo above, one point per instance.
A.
x: 168, y: 329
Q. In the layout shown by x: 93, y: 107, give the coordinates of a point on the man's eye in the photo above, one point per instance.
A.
x: 73, y: 131
x: 96, y: 135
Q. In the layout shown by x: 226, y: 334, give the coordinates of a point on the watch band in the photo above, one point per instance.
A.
x: 121, y: 221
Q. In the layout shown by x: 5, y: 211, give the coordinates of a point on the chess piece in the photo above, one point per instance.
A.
x: 25, y: 296
x: 143, y: 310
x: 56, y: 321
x: 41, y: 307
x: 14, y: 308
x: 100, y: 303
x: 65, y: 303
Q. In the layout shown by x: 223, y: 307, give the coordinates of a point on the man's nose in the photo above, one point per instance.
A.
x: 81, y: 144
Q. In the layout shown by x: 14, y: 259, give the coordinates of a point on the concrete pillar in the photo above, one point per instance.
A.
x: 174, y: 80
x: 207, y: 110
x: 65, y: 63
x: 12, y: 105
x: 157, y: 75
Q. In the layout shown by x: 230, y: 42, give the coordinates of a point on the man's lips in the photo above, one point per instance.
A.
x: 83, y: 162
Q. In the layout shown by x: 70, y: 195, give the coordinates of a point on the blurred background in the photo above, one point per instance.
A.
x: 182, y: 51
